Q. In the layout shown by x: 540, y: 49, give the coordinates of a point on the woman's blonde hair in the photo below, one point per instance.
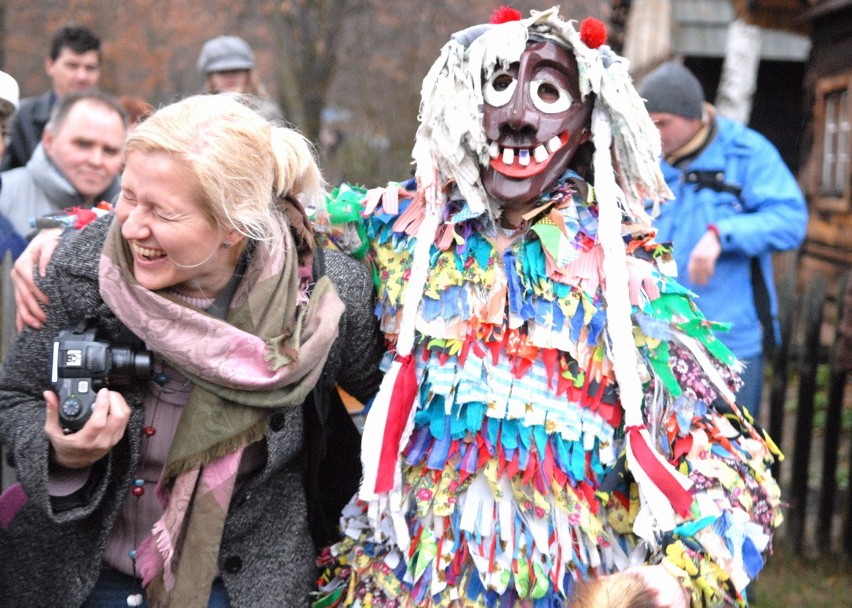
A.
x: 244, y: 166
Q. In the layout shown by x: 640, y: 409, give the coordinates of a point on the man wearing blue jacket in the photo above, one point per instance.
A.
x: 735, y: 203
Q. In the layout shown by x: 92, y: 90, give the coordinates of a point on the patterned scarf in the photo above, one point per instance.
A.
x: 268, y: 353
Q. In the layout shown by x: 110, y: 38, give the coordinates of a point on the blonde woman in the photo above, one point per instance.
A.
x: 191, y: 485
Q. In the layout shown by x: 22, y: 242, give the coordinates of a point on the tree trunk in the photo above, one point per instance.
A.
x: 739, y: 72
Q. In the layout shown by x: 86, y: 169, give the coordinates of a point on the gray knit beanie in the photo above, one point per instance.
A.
x: 673, y: 89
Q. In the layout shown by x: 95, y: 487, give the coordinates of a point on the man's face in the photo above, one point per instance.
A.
x: 534, y: 120
x: 73, y: 71
x: 675, y: 131
x: 229, y: 81
x: 87, y: 147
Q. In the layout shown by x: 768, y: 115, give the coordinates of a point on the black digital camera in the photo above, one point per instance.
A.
x: 83, y: 364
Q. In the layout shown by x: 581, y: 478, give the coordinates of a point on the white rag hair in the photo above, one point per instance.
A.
x: 451, y: 137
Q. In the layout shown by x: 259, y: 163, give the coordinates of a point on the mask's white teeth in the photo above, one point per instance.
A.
x: 508, y: 156
x: 493, y: 150
x: 523, y: 157
x: 540, y: 154
x: 554, y: 144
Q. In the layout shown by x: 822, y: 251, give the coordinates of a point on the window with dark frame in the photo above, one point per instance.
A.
x: 832, y: 181
x: 835, y: 154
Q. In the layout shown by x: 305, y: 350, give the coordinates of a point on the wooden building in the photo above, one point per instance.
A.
x: 798, y: 54
x: 826, y: 171
x: 800, y: 98
x: 702, y: 33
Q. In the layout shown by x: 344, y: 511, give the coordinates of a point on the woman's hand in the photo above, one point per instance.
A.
x: 102, y: 430
x: 29, y: 299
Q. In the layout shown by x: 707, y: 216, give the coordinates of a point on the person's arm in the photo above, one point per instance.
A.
x: 775, y: 215
x: 713, y: 540
x: 99, y: 435
x: 702, y: 261
x: 29, y: 299
x: 29, y: 427
x: 362, y: 345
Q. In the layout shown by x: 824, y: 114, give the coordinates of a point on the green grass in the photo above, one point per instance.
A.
x: 815, y: 582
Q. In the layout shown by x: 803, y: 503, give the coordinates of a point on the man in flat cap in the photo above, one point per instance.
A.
x: 228, y: 64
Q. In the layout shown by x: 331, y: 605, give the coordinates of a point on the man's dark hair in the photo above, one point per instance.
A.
x: 75, y: 38
x: 65, y: 103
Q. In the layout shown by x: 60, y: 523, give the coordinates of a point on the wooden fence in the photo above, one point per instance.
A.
x: 807, y: 400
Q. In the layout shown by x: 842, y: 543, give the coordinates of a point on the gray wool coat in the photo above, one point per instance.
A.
x: 52, y: 558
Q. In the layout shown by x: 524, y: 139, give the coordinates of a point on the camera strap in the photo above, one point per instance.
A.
x: 715, y: 180
x: 219, y: 307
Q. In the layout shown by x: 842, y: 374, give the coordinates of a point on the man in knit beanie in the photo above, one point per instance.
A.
x: 672, y: 89
x: 735, y: 203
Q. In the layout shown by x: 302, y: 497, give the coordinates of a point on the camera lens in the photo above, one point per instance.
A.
x: 129, y: 365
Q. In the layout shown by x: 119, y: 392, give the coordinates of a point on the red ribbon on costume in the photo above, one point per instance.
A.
x: 84, y: 217
x: 680, y: 498
x: 401, y: 401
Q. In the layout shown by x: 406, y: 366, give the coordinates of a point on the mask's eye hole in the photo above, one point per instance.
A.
x: 499, y: 89
x: 549, y: 96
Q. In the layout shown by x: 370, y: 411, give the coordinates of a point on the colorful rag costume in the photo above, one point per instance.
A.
x: 555, y: 406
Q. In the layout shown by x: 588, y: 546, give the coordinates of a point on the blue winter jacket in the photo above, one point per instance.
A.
x: 768, y: 214
x: 9, y: 239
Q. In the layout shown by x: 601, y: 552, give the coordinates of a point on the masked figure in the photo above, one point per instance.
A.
x: 555, y: 408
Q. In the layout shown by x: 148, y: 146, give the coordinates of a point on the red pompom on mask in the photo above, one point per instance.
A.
x: 505, y: 14
x: 592, y: 32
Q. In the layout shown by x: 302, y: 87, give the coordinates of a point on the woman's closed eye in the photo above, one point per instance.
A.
x: 162, y: 215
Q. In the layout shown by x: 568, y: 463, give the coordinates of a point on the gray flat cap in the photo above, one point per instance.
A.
x: 225, y: 53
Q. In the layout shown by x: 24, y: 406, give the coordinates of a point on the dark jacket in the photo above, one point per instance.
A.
x: 27, y: 126
x: 50, y: 557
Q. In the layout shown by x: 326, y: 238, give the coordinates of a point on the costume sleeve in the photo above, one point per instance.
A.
x: 718, y: 543
x: 775, y: 215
